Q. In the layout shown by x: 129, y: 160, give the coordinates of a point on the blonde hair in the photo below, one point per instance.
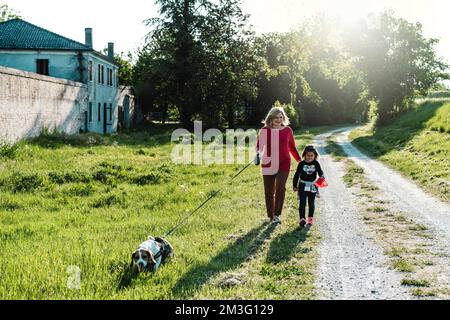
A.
x: 273, y: 113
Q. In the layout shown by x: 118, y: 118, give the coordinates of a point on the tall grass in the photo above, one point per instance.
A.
x: 417, y: 144
x: 86, y: 202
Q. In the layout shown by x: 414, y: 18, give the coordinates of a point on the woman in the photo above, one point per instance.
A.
x: 275, y: 144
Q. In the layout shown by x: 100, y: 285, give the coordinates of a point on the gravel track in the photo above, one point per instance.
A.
x: 405, y: 195
x: 351, y: 266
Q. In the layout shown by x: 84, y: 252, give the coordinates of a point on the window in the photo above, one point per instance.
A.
x: 99, y: 74
x: 110, y: 112
x: 90, y: 111
x: 90, y: 66
x: 107, y: 76
x: 42, y: 66
x: 99, y: 112
x: 103, y: 74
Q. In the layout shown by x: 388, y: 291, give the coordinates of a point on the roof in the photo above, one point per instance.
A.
x: 17, y: 34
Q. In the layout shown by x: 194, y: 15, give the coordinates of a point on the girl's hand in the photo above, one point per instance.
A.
x: 295, y: 190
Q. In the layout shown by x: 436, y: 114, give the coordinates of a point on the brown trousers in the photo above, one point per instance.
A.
x: 275, y: 191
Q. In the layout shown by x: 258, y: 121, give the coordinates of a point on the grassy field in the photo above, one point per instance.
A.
x: 88, y: 201
x: 417, y: 145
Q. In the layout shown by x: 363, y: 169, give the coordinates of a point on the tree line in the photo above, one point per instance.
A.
x: 203, y: 61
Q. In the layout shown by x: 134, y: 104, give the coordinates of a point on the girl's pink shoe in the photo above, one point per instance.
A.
x: 310, y: 221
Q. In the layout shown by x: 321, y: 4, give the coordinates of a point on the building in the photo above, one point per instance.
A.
x: 32, y: 49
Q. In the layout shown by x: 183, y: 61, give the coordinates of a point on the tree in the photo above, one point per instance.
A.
x: 397, y: 61
x: 125, y: 68
x: 231, y: 63
x: 204, y: 50
x: 309, y: 70
x: 176, y: 45
x: 6, y: 13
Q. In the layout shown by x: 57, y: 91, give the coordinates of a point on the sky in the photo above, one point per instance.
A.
x: 121, y: 22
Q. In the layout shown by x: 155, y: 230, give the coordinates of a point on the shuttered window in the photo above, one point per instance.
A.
x: 90, y: 71
x: 90, y: 111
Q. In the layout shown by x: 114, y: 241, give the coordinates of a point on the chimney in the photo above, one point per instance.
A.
x: 88, y: 37
x: 111, y: 50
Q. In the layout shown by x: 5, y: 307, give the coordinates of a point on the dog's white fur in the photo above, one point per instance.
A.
x: 154, y: 247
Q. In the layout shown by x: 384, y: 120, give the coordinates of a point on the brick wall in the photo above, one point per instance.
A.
x: 30, y: 102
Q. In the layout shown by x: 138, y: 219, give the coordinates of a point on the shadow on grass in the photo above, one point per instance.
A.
x: 241, y: 250
x: 283, y: 247
x: 127, y: 276
x: 400, y: 132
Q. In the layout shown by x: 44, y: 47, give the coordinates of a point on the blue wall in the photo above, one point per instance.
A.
x: 61, y: 64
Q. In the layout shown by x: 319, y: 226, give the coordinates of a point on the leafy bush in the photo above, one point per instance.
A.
x: 81, y: 190
x: 8, y: 151
x: 111, y: 174
x: 69, y: 177
x: 150, y: 178
x: 10, y: 205
x: 110, y: 200
x: 165, y: 167
x: 26, y: 182
x: 141, y: 152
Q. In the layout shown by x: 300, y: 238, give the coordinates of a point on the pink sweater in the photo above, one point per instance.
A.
x: 284, y: 141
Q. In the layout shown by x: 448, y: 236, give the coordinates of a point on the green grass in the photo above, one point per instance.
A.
x: 402, y: 265
x: 417, y: 144
x: 415, y: 283
x: 88, y: 201
x: 333, y: 149
x: 354, y: 174
x: 421, y: 293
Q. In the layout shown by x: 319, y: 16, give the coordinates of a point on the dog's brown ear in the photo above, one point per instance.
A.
x: 132, y: 259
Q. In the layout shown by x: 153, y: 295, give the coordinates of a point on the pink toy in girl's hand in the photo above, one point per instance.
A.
x: 321, y: 183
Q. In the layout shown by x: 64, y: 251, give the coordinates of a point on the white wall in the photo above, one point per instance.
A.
x: 30, y: 102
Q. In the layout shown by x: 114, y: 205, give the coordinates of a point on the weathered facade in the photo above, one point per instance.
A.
x: 27, y: 47
x: 129, y: 112
x: 30, y: 102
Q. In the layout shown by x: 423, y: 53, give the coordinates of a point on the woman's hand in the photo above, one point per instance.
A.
x: 295, y: 190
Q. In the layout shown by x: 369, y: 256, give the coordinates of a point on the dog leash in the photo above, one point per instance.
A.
x: 186, y: 218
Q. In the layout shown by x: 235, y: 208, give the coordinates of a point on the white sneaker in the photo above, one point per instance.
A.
x: 276, y: 219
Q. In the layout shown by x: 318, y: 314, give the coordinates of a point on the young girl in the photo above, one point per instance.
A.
x: 304, y: 183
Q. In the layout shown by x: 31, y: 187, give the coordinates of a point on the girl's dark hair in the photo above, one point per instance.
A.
x: 310, y: 148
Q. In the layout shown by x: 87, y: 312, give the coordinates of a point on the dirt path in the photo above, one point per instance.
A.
x: 351, y: 266
x: 405, y: 195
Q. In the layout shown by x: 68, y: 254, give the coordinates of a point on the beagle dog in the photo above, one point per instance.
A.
x: 151, y: 254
